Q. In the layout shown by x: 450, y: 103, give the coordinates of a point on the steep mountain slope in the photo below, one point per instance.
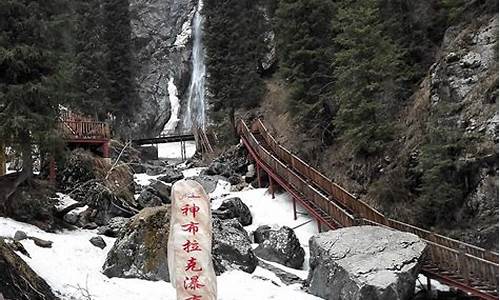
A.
x: 441, y: 168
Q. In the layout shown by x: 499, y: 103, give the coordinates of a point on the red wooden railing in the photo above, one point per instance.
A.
x: 467, y: 267
x: 77, y: 127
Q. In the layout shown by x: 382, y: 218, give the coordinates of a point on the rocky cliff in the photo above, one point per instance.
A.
x: 162, y: 41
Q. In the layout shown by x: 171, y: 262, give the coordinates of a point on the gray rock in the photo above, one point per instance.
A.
x: 161, y: 189
x: 209, y: 183
x: 98, y: 242
x: 171, y: 176
x: 231, y: 247
x: 90, y: 226
x: 41, y: 243
x: 281, y: 246
x: 20, y: 235
x: 234, y: 208
x: 71, y: 218
x: 114, y: 226
x: 364, y: 263
x: 261, y: 234
x: 147, y: 198
x: 141, y: 248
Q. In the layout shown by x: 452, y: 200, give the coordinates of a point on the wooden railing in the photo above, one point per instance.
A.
x: 343, y: 217
x: 84, y: 130
x: 475, y: 265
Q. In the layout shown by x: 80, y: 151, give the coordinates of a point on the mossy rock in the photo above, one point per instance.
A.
x: 141, y: 249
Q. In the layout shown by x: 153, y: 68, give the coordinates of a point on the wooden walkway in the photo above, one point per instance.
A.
x: 466, y: 267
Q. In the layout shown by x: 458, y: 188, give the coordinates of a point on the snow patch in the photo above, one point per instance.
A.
x: 173, y: 150
x: 174, y: 108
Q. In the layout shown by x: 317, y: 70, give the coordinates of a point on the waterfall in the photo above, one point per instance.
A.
x: 195, y: 108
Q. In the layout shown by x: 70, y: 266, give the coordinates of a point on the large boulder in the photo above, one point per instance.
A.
x: 114, y: 226
x: 231, y: 247
x: 234, y: 208
x: 281, y: 246
x: 141, y: 248
x: 364, y: 263
x: 18, y: 281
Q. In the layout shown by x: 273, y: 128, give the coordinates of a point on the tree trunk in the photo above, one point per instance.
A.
x: 26, y: 173
x: 27, y: 153
x: 233, y: 122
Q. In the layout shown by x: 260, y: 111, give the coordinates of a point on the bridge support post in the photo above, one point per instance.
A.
x: 183, y: 150
x: 319, y: 225
x: 271, y: 186
x: 294, y: 208
x: 429, y: 285
x: 105, y: 150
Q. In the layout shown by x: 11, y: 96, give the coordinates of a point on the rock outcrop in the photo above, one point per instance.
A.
x: 234, y: 208
x: 364, y: 263
x: 18, y: 281
x: 161, y: 36
x: 231, y: 247
x: 141, y: 248
x: 281, y: 246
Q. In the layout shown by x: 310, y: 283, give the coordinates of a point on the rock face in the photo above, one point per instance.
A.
x: 364, y: 263
x: 281, y: 246
x: 231, y: 247
x: 141, y: 248
x: 234, y: 208
x: 18, y: 281
x: 161, y: 36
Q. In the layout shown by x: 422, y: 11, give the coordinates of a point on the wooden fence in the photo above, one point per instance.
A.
x: 84, y: 130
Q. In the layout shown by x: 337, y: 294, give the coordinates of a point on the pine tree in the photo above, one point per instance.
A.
x: 234, y: 48
x: 90, y: 80
x: 366, y: 66
x: 304, y: 37
x: 121, y: 90
x: 29, y: 75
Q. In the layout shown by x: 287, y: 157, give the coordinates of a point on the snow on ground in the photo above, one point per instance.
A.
x: 275, y: 212
x: 73, y: 266
x: 144, y: 179
x: 172, y: 150
x: 192, y: 172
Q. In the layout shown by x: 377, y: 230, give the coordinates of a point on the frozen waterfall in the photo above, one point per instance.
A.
x: 195, y: 108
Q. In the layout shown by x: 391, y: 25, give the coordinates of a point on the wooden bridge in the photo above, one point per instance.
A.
x: 466, y: 267
x: 198, y: 135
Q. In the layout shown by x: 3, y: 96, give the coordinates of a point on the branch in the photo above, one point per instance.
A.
x: 117, y: 160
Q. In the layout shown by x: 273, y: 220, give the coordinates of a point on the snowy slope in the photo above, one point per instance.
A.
x: 73, y: 265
